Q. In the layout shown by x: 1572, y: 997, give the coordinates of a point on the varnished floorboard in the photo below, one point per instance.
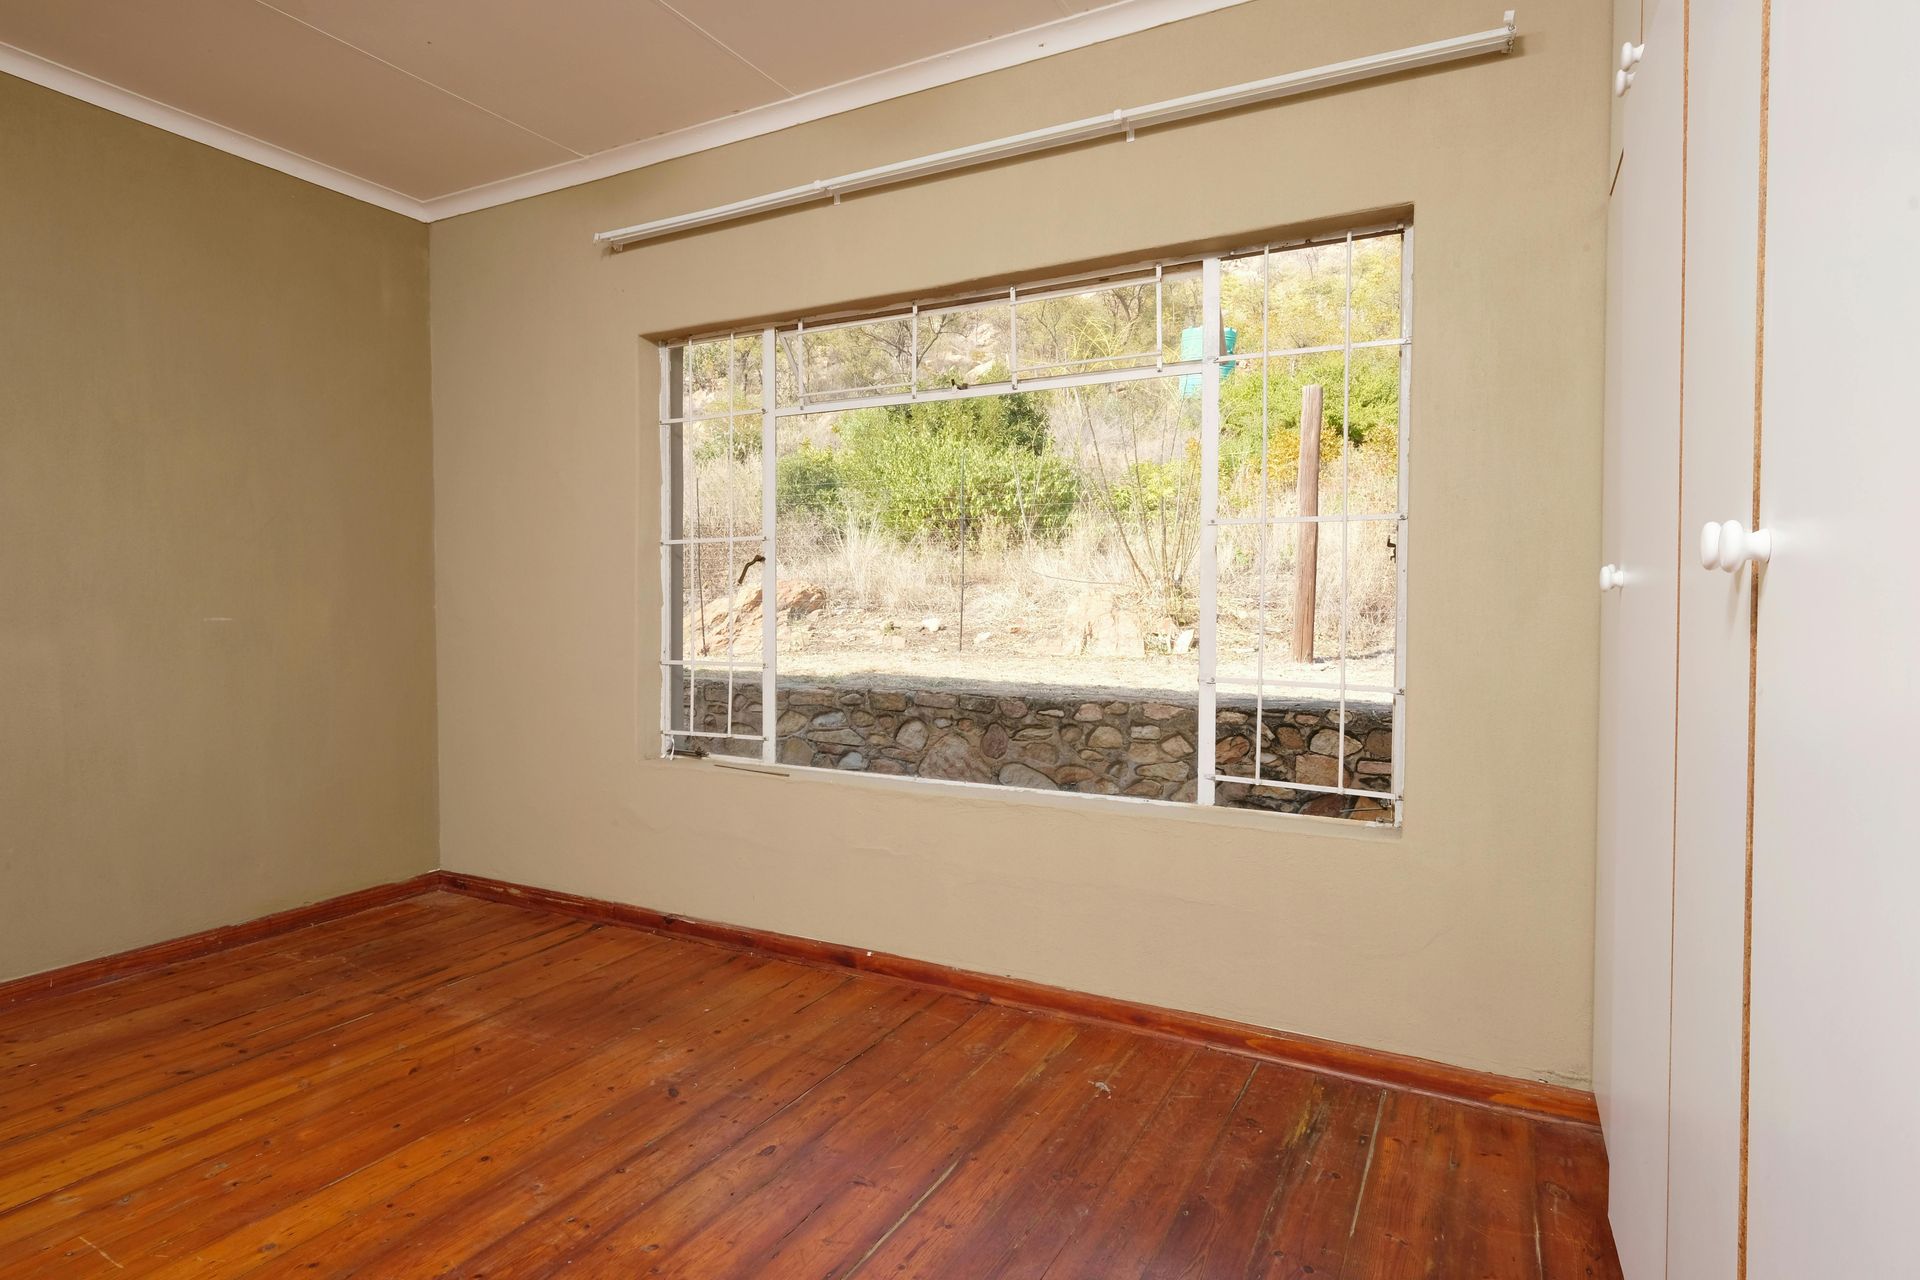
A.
x: 445, y: 1087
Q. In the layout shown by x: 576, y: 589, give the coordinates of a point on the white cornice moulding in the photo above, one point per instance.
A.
x: 1062, y: 36
x: 124, y: 102
x: 1110, y: 22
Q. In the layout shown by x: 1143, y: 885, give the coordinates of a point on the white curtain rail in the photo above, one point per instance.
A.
x: 1124, y: 120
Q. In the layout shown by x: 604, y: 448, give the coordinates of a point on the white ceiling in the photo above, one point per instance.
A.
x: 437, y: 107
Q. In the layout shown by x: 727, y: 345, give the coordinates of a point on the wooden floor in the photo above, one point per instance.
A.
x: 450, y: 1087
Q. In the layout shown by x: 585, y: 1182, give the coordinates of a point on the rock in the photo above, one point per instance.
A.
x: 1146, y: 789
x: 1013, y: 708
x: 1183, y: 643
x: 952, y: 757
x: 912, y: 735
x: 836, y: 737
x: 1040, y: 753
x: 853, y: 760
x: 796, y: 751
x: 1227, y: 750
x: 880, y: 701
x: 982, y: 638
x: 1096, y: 626
x: 1316, y: 770
x: 1176, y: 746
x: 790, y: 721
x: 1288, y: 739
x: 994, y: 742
x: 1106, y: 736
x: 1380, y: 743
x: 944, y: 701
x: 974, y: 702
x: 830, y: 720
x: 930, y: 624
x: 1090, y: 711
x: 1019, y: 775
x: 810, y: 697
x: 1144, y: 753
x: 1377, y: 768
x: 890, y: 766
x: 1187, y: 792
x: 1069, y: 774
x: 1327, y: 742
x: 1168, y: 772
x: 1144, y: 733
x: 1097, y: 787
x: 1038, y: 733
x: 1161, y: 711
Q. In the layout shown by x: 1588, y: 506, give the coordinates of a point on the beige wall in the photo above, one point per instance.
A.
x: 1465, y: 937
x: 216, y: 627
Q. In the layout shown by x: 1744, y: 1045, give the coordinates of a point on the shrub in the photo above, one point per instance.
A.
x: 948, y: 468
x: 807, y: 481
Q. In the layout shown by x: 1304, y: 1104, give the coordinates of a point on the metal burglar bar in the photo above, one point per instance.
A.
x: 790, y: 387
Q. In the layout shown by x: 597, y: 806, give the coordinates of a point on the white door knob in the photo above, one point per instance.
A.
x: 1709, y: 545
x: 1630, y: 54
x: 1612, y: 577
x: 1728, y: 545
x: 1622, y: 81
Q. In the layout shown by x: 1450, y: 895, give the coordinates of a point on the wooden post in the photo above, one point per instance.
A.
x: 1306, y: 558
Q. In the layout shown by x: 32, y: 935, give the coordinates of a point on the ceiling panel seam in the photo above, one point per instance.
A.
x: 412, y: 75
x: 726, y: 48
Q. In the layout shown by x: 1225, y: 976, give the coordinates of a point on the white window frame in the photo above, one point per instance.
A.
x: 676, y: 668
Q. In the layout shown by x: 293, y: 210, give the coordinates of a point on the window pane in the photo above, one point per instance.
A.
x: 966, y: 346
x: 718, y: 477
x: 835, y: 362
x: 1181, y: 305
x: 1373, y: 600
x: 1111, y: 327
x: 719, y: 588
x: 1307, y: 297
x: 722, y: 376
x: 1372, y: 407
x: 1262, y: 404
x: 1261, y: 601
x: 1299, y: 732
x: 725, y: 714
x: 1376, y: 288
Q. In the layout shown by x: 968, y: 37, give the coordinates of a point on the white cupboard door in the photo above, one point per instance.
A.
x: 1710, y: 849
x: 1640, y: 531
x: 1834, y: 1112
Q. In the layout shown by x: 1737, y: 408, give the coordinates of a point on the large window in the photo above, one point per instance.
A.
x: 1139, y: 535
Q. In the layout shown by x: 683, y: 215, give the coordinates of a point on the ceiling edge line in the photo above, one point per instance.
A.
x: 65, y: 80
x: 1128, y: 17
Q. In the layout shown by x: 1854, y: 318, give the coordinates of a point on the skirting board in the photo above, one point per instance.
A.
x: 1374, y: 1066
x: 92, y: 973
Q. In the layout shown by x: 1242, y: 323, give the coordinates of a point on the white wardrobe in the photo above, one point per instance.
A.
x: 1757, y: 1000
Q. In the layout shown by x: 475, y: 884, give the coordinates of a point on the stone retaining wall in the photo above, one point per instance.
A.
x: 1103, y: 741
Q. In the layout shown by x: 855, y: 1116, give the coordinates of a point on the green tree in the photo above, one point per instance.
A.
x: 949, y: 467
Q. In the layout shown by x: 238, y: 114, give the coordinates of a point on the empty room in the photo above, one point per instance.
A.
x: 1023, y: 639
